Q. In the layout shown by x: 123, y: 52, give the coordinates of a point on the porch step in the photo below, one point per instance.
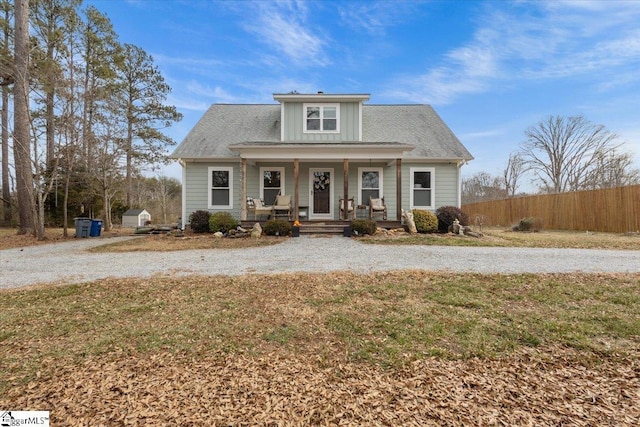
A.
x: 324, y: 227
x: 312, y: 228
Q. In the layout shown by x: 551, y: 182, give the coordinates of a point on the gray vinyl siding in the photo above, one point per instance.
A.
x: 446, y: 183
x: 294, y: 124
x: 197, y: 191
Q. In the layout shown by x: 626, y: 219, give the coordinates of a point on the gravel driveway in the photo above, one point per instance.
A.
x: 69, y: 262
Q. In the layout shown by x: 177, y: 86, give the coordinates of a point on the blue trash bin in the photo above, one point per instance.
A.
x: 96, y: 227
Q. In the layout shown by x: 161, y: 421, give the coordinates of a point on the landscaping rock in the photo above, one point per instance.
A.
x: 408, y: 220
x: 256, y: 231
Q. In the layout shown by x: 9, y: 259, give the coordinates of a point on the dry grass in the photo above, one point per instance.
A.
x: 401, y: 348
x: 170, y: 242
x: 9, y: 237
x: 507, y: 238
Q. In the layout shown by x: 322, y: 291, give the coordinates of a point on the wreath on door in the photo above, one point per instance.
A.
x: 320, y: 181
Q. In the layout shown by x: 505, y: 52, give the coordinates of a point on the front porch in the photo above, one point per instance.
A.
x: 318, y: 176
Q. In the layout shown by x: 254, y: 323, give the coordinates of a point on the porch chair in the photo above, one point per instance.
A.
x: 377, y: 207
x: 350, y: 211
x: 258, y: 208
x: 282, y: 207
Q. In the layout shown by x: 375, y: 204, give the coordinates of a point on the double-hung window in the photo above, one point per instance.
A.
x: 422, y: 188
x: 322, y: 118
x: 369, y: 184
x: 272, y: 184
x: 220, y: 187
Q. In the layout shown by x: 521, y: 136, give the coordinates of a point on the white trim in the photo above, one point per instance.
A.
x: 322, y: 106
x: 332, y: 177
x: 183, y: 218
x: 360, y: 106
x: 320, y: 97
x: 380, y: 183
x: 269, y: 168
x: 210, y: 187
x: 282, y: 124
x: 336, y: 151
x: 458, y: 171
x: 433, y: 187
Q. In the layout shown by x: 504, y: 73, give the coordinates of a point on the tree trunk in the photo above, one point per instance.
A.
x: 107, y: 210
x: 65, y: 205
x: 6, y: 190
x: 21, y: 143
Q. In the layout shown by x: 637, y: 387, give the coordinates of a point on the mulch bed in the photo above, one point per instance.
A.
x: 537, y: 387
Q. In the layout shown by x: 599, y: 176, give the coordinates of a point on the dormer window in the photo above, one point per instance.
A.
x: 322, y: 118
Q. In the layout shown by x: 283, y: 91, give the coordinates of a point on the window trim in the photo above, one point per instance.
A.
x: 380, y: 183
x: 412, y: 172
x: 275, y: 168
x: 210, y: 169
x: 305, y: 106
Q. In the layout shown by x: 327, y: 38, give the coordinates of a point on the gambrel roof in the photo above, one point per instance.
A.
x: 225, y: 125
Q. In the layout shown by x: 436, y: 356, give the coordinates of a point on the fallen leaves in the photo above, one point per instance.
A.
x: 326, y: 349
x: 530, y: 387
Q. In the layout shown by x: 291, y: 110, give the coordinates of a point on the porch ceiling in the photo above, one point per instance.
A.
x: 321, y: 150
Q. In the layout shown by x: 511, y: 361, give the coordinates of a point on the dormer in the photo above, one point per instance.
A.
x: 321, y: 117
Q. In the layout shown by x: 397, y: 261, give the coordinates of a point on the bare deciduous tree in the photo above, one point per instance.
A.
x: 482, y: 187
x: 512, y: 173
x: 612, y: 169
x: 562, y: 152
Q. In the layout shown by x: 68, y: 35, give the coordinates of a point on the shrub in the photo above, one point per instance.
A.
x: 364, y: 226
x: 426, y: 221
x: 529, y: 224
x: 199, y: 221
x: 222, y: 222
x: 447, y: 214
x: 276, y: 227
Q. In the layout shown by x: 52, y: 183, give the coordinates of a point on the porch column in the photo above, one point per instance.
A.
x: 345, y: 168
x: 398, y: 189
x: 296, y: 187
x: 243, y: 189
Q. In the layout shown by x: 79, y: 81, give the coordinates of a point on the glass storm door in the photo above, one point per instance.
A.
x: 321, y: 206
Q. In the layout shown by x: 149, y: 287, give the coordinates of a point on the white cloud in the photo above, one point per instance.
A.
x: 482, y: 134
x: 216, y: 93
x: 536, y: 41
x: 283, y: 26
x: 374, y: 17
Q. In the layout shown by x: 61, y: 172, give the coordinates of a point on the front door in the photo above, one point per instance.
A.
x: 321, y: 197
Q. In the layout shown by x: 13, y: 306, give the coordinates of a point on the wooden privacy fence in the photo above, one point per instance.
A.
x: 615, y: 210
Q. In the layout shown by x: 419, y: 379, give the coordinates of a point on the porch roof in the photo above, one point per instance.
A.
x: 321, y: 150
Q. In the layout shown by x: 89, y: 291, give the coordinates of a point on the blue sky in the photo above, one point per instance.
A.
x: 489, y: 68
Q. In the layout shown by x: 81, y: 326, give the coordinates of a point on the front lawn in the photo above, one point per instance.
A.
x: 308, y: 349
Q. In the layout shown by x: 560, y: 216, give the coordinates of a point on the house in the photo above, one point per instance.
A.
x: 135, y: 218
x: 320, y: 148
